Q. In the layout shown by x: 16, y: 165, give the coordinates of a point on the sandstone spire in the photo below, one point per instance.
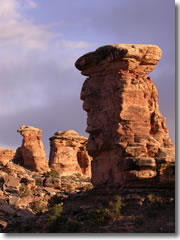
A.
x: 32, y: 149
x: 128, y: 137
x: 68, y: 153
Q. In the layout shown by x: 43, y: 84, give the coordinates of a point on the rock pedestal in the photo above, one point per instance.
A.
x: 128, y: 137
x: 32, y: 149
x: 68, y: 153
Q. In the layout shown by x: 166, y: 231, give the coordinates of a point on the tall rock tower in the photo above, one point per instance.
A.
x: 32, y: 149
x: 128, y: 137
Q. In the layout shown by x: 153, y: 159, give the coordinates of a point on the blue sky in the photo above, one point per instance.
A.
x: 40, y: 41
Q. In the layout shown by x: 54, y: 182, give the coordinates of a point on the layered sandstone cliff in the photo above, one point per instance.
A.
x: 128, y: 137
x: 68, y: 153
x: 32, y: 149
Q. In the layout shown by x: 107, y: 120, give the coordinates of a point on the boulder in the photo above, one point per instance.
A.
x: 52, y: 182
x: 11, y: 184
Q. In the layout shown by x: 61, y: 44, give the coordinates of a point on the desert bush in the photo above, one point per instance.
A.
x: 55, y: 212
x: 102, y: 215
x: 68, y: 188
x: 116, y: 206
x: 38, y: 207
x: 114, y: 210
x: 54, y: 200
x: 24, y: 191
x: 53, y: 174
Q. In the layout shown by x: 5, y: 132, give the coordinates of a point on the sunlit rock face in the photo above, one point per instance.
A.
x: 6, y: 155
x: 68, y: 153
x: 32, y: 149
x: 128, y: 137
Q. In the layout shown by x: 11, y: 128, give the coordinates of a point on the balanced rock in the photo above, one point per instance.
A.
x: 6, y: 155
x: 128, y: 137
x: 68, y: 153
x: 32, y: 149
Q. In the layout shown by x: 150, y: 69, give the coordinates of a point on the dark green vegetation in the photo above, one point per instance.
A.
x: 97, y: 212
x: 73, y: 220
x: 53, y: 174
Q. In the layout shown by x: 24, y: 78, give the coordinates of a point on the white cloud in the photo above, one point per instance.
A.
x: 26, y: 73
x: 76, y: 44
x: 19, y: 31
x: 8, y: 9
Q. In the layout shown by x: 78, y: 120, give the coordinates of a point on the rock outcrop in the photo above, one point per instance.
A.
x: 68, y: 153
x: 6, y: 155
x: 128, y: 137
x: 32, y: 149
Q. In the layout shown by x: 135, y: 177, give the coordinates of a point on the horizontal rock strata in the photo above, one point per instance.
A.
x: 128, y: 137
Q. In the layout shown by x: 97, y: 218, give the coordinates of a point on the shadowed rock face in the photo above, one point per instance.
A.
x: 68, y: 153
x: 32, y: 149
x: 128, y: 137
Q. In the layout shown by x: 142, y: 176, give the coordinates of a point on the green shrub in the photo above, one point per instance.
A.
x: 55, y: 212
x: 54, y: 200
x: 68, y: 188
x: 116, y: 206
x: 53, y: 174
x: 38, y: 207
x: 24, y: 191
x: 102, y: 215
x: 114, y: 211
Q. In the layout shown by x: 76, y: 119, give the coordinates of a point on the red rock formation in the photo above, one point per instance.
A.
x: 128, y: 137
x: 32, y: 149
x: 68, y: 153
x: 6, y: 155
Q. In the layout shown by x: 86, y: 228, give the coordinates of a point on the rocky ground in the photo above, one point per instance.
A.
x: 46, y: 202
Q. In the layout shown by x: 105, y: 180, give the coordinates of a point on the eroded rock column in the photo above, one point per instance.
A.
x: 68, y: 153
x: 128, y: 137
x: 32, y: 149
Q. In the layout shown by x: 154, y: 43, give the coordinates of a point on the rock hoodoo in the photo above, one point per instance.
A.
x: 128, y: 137
x: 68, y: 153
x: 32, y: 149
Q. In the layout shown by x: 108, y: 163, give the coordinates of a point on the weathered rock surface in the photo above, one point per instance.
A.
x: 6, y: 155
x: 23, y: 193
x: 128, y: 139
x: 68, y: 153
x: 52, y: 182
x: 11, y: 184
x: 32, y: 149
